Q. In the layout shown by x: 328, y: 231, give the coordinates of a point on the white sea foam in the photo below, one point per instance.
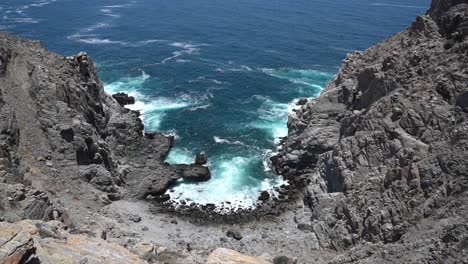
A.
x: 182, y: 61
x: 128, y: 85
x: 40, y: 4
x: 240, y: 68
x: 226, y: 141
x: 273, y: 117
x: 23, y: 20
x: 153, y: 110
x: 309, y: 78
x: 204, y: 79
x: 180, y: 156
x: 187, y: 49
x: 195, y: 108
x: 230, y: 182
x: 99, y: 41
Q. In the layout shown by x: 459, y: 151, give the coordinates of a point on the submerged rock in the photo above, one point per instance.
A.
x: 201, y: 159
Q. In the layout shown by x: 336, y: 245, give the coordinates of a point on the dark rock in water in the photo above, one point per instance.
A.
x: 163, y: 198
x: 201, y: 159
x: 193, y: 172
x: 302, y: 101
x: 234, y: 233
x: 124, y: 99
x: 284, y: 260
x: 264, y: 196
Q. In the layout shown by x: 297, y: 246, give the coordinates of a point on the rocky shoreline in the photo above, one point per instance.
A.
x: 377, y: 165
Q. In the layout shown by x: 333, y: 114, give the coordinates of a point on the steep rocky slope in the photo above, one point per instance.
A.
x: 383, y: 152
x: 379, y: 160
x: 67, y: 148
x: 62, y: 134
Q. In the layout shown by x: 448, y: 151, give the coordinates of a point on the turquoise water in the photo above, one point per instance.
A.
x: 221, y: 76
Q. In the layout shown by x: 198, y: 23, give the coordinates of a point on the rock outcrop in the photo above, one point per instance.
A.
x: 61, y: 131
x: 380, y: 160
x: 66, y: 145
x: 382, y: 154
x: 41, y: 242
x: 227, y: 256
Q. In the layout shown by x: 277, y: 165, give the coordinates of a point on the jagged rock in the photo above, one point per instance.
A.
x: 302, y: 101
x: 382, y: 140
x: 40, y: 242
x: 193, y: 172
x: 124, y: 99
x: 227, y: 256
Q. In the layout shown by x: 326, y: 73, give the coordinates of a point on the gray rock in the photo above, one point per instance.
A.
x: 234, y: 233
x: 381, y: 148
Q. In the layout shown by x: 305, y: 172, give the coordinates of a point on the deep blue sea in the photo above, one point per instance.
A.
x: 220, y: 75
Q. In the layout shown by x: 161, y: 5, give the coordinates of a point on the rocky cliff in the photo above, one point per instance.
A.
x: 62, y: 134
x: 379, y: 160
x: 66, y: 147
x: 383, y: 153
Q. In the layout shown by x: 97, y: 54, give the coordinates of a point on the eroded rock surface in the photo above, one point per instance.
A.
x: 227, y: 256
x: 380, y: 160
x: 47, y: 242
x: 383, y: 153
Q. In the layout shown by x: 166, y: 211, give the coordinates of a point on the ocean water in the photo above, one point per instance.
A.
x: 219, y: 75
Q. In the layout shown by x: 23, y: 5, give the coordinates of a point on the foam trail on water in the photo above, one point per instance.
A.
x: 312, y: 79
x: 226, y: 141
x: 273, y: 118
x: 187, y: 49
x: 153, y: 110
x: 128, y: 85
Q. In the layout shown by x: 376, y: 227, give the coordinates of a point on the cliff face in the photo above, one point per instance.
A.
x: 63, y: 135
x: 381, y: 157
x: 383, y: 153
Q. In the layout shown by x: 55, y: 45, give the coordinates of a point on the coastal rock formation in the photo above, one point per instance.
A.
x: 61, y: 134
x: 382, y: 154
x: 380, y: 161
